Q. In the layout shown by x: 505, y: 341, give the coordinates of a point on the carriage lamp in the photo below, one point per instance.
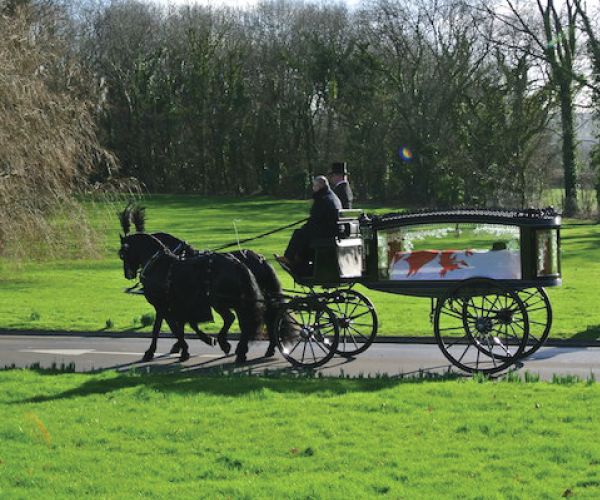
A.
x: 547, y: 253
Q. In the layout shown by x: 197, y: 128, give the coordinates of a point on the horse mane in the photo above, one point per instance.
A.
x: 141, y: 237
x: 178, y: 246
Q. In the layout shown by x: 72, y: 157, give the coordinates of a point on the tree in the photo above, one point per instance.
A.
x: 242, y: 101
x: 431, y: 59
x: 125, y: 52
x: 561, y: 51
x: 48, y: 142
x: 593, y: 83
x: 553, y: 41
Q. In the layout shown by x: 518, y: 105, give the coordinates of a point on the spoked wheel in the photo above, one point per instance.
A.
x: 307, y: 332
x: 357, y: 320
x: 539, y: 312
x: 481, y: 326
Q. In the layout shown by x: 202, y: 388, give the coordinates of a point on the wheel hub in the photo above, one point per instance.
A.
x: 483, y: 325
x: 306, y: 332
x: 505, y: 316
x: 344, y: 322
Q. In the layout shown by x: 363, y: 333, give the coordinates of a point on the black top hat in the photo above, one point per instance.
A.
x: 340, y: 168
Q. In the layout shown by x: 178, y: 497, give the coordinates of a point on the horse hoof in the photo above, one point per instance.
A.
x: 210, y: 341
x: 225, y: 347
x: 148, y: 356
x: 184, y: 356
x: 175, y: 349
x: 270, y: 352
x: 240, y: 360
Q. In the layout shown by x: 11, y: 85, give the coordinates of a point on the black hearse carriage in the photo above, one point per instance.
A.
x: 484, y: 270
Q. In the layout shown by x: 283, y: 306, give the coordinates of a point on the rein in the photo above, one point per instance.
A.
x: 134, y: 289
x: 228, y: 245
x: 149, y: 263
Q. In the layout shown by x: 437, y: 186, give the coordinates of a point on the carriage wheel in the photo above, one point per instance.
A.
x: 539, y: 312
x: 481, y: 326
x: 307, y: 332
x: 357, y: 320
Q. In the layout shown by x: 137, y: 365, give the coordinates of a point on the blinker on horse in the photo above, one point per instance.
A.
x: 183, y: 291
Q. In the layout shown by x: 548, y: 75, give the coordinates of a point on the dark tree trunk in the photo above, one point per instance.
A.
x: 568, y: 149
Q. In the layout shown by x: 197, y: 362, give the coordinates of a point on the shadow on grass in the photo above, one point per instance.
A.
x: 591, y: 333
x: 222, y: 377
x: 136, y: 329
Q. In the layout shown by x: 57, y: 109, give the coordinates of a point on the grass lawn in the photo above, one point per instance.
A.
x: 87, y: 294
x: 180, y: 435
x: 121, y: 436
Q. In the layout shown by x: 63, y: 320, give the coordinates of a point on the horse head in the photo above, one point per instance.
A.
x: 127, y: 255
x: 136, y: 250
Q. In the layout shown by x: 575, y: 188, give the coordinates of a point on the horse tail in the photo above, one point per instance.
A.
x: 273, y: 295
x: 263, y: 271
x: 251, y: 305
x: 269, y: 283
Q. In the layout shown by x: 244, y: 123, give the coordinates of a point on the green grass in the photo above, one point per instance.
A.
x: 180, y: 435
x: 87, y: 295
x: 586, y: 199
x: 117, y: 436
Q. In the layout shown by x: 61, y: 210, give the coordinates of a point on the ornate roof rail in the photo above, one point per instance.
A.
x: 527, y: 216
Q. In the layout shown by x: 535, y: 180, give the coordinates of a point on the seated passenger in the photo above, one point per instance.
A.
x: 322, y: 223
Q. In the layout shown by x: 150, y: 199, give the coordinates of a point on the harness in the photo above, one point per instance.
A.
x: 149, y: 263
x: 138, y: 288
x: 135, y: 289
x: 178, y: 247
x: 208, y: 272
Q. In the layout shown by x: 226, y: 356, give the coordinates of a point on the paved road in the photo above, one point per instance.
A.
x: 89, y: 353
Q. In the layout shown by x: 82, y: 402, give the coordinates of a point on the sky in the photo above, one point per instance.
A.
x: 234, y: 3
x: 216, y: 3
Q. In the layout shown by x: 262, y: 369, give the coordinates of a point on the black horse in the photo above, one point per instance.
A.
x: 183, y: 290
x: 265, y: 275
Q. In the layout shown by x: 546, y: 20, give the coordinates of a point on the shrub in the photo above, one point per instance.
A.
x: 147, y: 319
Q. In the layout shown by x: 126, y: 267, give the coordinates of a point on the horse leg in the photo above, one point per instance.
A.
x: 228, y: 318
x: 241, y: 349
x: 149, y: 354
x: 176, y: 348
x: 270, y: 321
x: 178, y: 330
x: 203, y: 337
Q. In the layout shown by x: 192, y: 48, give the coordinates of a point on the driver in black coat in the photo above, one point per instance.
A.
x: 341, y: 186
x: 322, y: 223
